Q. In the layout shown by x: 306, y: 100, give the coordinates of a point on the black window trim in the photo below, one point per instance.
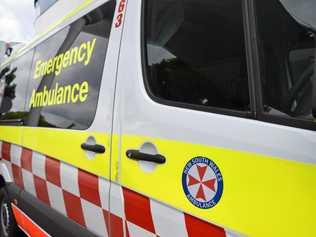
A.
x: 261, y: 114
x: 251, y: 114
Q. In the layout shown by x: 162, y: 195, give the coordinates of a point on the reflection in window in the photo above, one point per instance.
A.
x: 67, y: 72
x: 287, y: 50
x: 14, y: 82
x: 43, y: 5
x: 196, y: 53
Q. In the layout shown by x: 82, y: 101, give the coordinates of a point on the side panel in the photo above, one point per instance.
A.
x: 9, y: 137
x: 267, y: 171
x: 15, y: 81
x: 33, y: 215
x: 48, y: 164
x: 50, y: 188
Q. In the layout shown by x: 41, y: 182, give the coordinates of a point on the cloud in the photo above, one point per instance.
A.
x: 17, y: 20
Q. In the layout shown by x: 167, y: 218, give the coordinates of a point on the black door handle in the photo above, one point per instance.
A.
x: 16, y: 122
x: 137, y: 155
x: 94, y: 148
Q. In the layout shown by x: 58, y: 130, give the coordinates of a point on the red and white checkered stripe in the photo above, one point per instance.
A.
x: 81, y: 196
x: 84, y: 198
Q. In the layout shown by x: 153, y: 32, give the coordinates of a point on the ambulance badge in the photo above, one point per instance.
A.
x: 202, y: 182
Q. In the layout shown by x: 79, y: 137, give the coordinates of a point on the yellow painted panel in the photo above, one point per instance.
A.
x: 65, y: 146
x: 263, y: 196
x: 115, y: 158
x: 11, y: 134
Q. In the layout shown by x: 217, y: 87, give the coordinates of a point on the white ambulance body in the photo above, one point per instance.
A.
x: 170, y: 118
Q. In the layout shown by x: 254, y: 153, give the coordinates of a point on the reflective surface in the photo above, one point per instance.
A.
x: 196, y: 53
x: 287, y: 59
x: 16, y: 82
x: 68, y: 69
x: 43, y: 5
x: 302, y: 11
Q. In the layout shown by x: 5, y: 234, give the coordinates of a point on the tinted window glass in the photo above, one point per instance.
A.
x: 287, y: 48
x: 196, y: 53
x: 67, y: 72
x: 13, y: 86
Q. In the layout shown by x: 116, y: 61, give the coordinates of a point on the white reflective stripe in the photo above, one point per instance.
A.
x: 24, y: 231
x: 28, y: 182
x: 164, y: 217
x: 136, y: 231
x: 69, y: 178
x: 104, y: 187
x: 94, y: 219
x: 117, y: 201
x: 38, y: 165
x: 15, y: 153
x: 56, y: 198
x: 6, y: 170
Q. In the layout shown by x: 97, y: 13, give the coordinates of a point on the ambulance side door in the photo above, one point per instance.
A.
x: 193, y: 160
x: 65, y: 154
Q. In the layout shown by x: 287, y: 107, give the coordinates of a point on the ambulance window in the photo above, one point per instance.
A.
x: 13, y: 85
x: 195, y: 53
x: 287, y: 55
x: 67, y: 72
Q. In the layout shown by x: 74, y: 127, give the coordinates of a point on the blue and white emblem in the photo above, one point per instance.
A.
x: 202, y: 182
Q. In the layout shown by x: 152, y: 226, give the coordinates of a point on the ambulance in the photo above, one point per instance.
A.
x: 169, y: 118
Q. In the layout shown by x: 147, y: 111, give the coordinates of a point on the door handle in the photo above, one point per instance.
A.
x: 94, y: 148
x: 17, y: 122
x: 137, y: 155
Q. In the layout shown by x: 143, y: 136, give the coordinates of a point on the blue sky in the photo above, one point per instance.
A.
x: 17, y: 20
